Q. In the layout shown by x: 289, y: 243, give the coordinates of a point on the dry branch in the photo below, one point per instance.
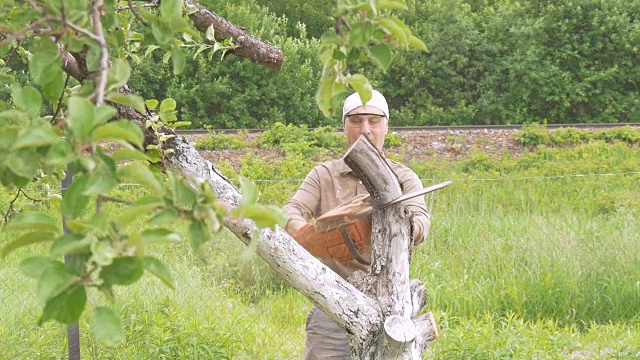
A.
x: 248, y: 46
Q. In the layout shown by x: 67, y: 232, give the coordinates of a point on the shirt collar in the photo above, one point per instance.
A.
x: 342, y: 167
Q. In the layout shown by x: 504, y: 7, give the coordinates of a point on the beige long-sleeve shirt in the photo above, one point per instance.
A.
x: 332, y: 184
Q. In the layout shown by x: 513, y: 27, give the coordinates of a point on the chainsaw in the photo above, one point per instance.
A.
x: 343, y: 232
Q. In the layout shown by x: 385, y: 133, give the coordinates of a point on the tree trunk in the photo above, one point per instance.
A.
x: 388, y: 278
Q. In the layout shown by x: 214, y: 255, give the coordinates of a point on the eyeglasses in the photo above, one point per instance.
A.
x: 357, y: 120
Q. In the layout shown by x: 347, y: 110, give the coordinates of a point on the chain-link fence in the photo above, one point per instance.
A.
x: 561, y: 248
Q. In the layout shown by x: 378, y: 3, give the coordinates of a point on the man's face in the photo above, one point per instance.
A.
x: 367, y: 120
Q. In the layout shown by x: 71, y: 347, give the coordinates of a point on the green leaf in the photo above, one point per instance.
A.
x: 161, y: 32
x: 27, y: 99
x: 141, y: 174
x: 82, y: 117
x: 100, y: 183
x: 129, y: 154
x: 179, y: 61
x: 134, y: 101
x: 33, y: 137
x: 121, y: 131
x: 361, y: 84
x: 137, y: 210
x: 67, y: 306
x: 74, y: 201
x: 150, y: 49
x: 27, y: 239
x: 53, y: 89
x: 361, y: 33
x: 60, y: 153
x: 167, y: 105
x: 324, y: 95
x: 160, y: 270
x: 24, y: 163
x: 171, y: 11
x: 151, y: 103
x: 183, y: 195
x: 103, y: 252
x: 93, y: 57
x: 33, y: 221
x: 392, y: 5
x: 106, y: 326
x: 381, y: 54
x: 104, y: 113
x: 159, y: 234
x: 102, y: 178
x: 71, y: 243
x: 397, y: 28
x: 52, y: 283
x: 44, y: 63
x: 416, y: 43
x: 34, y: 267
x: 165, y: 217
x: 264, y: 216
x: 118, y: 74
x: 330, y: 37
x: 210, y: 34
x: 123, y: 271
x: 199, y: 233
x: 180, y: 124
x: 249, y: 191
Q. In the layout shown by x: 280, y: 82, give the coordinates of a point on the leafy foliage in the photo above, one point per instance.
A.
x: 222, y: 141
x: 567, y: 62
x: 108, y: 247
x: 535, y: 135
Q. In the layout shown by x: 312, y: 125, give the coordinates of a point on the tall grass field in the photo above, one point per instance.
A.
x: 535, y: 257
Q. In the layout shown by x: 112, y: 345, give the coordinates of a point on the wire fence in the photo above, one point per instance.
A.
x: 557, y: 247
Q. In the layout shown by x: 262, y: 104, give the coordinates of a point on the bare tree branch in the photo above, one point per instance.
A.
x: 249, y: 46
x: 101, y: 84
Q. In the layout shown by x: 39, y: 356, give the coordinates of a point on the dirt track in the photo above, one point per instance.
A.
x: 417, y: 145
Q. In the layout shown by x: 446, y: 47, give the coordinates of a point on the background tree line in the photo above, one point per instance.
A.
x: 489, y: 62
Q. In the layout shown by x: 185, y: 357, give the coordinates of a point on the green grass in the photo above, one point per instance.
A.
x: 524, y: 261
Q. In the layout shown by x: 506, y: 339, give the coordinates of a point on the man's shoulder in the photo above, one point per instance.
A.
x: 396, y: 165
x: 332, y: 166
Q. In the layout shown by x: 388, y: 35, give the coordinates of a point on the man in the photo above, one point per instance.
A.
x: 332, y: 184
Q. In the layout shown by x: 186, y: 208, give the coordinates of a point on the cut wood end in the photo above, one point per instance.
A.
x: 400, y: 329
x: 434, y: 326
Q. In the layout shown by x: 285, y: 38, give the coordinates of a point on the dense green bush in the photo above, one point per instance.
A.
x: 490, y: 62
x: 393, y: 139
x: 222, y: 141
x: 534, y: 135
x: 280, y: 133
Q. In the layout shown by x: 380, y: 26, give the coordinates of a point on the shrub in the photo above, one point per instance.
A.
x: 570, y: 136
x: 626, y: 134
x: 533, y: 135
x: 222, y: 141
x: 303, y: 148
x: 281, y: 134
x: 327, y: 137
x: 393, y: 140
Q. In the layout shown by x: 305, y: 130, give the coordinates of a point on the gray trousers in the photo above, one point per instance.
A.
x: 325, y: 339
